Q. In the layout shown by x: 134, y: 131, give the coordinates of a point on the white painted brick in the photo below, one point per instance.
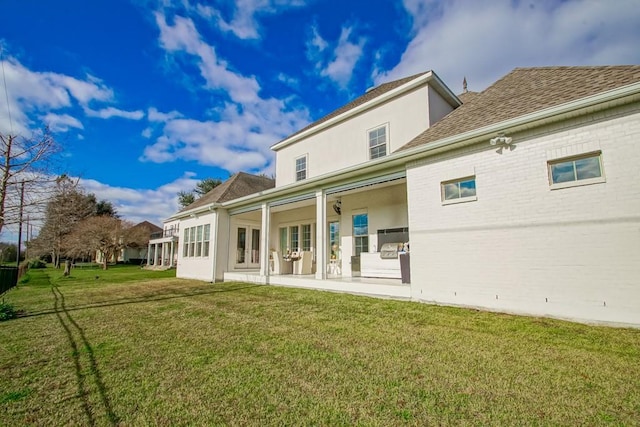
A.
x: 520, y: 240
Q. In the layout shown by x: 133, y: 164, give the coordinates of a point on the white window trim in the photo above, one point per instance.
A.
x: 387, y: 143
x: 306, y: 167
x: 467, y: 199
x: 579, y: 182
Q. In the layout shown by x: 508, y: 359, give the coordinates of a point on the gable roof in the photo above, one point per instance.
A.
x: 238, y: 185
x: 149, y: 226
x: 371, y: 98
x: 524, y: 91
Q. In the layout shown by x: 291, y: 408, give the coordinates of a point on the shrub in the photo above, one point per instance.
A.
x: 36, y: 263
x: 7, y: 311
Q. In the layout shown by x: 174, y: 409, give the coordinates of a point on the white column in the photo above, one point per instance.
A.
x: 149, y: 254
x: 321, y: 235
x: 172, y: 254
x: 155, y: 255
x: 264, y: 239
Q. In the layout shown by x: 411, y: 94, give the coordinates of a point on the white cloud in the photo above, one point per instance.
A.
x: 247, y: 125
x: 156, y: 116
x: 183, y: 36
x: 52, y: 98
x: 485, y: 39
x: 109, y: 112
x: 61, y: 122
x: 338, y: 64
x: 244, y: 19
x: 139, y: 205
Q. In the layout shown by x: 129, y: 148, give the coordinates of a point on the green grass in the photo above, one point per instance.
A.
x: 135, y: 347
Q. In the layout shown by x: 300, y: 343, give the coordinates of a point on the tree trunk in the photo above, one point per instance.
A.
x: 105, y: 257
x: 67, y: 268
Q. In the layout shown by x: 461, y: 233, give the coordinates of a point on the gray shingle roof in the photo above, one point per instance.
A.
x: 524, y: 91
x: 368, y: 96
x: 238, y: 185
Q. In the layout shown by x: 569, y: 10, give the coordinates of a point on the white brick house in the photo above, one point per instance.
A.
x: 517, y: 200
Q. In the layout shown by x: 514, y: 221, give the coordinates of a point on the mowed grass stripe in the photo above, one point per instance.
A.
x: 158, y: 350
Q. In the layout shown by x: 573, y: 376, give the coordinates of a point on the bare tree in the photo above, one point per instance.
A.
x: 65, y: 209
x: 105, y: 234
x: 28, y: 161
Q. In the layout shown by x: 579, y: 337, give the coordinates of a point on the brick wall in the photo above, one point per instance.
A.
x: 522, y: 247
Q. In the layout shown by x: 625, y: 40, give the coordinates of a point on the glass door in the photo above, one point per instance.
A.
x: 247, y: 247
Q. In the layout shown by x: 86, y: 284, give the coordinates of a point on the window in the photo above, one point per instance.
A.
x: 306, y: 237
x: 460, y: 190
x: 283, y: 240
x: 192, y: 241
x: 581, y: 170
x: 361, y: 233
x: 301, y: 168
x: 207, y: 232
x: 378, y: 142
x: 294, y: 238
x: 185, y: 247
x: 199, y: 241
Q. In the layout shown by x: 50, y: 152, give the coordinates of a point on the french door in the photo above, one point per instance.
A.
x: 247, y: 247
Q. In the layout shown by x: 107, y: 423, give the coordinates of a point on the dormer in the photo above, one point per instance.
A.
x: 368, y: 128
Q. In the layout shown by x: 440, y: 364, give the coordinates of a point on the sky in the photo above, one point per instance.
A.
x: 147, y: 97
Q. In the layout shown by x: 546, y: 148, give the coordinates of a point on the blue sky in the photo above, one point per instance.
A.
x: 149, y: 97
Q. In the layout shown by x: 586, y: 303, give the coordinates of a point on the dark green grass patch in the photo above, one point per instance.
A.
x: 164, y: 351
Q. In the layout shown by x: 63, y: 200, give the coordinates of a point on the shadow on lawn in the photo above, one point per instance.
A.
x: 72, y: 328
x: 134, y: 300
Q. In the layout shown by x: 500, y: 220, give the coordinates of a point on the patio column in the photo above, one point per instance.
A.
x: 321, y: 233
x: 149, y: 253
x: 264, y: 239
x: 171, y: 255
x: 155, y: 255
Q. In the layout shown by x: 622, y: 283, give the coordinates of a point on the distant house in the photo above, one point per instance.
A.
x: 515, y: 199
x: 135, y: 254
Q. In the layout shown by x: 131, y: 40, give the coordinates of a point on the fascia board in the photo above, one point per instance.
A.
x: 418, y: 81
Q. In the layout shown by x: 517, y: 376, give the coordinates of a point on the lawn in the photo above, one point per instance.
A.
x: 132, y: 347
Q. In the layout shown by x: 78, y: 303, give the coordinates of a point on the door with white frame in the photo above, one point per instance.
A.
x: 247, y: 250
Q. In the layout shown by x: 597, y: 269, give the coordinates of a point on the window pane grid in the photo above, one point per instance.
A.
x: 378, y: 143
x: 459, y: 189
x: 588, y: 167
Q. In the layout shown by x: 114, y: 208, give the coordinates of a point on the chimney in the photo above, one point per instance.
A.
x: 464, y: 85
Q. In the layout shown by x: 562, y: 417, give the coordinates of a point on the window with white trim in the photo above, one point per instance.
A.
x: 573, y: 171
x: 459, y: 190
x: 206, y: 239
x: 192, y: 241
x: 378, y: 139
x: 306, y: 237
x: 301, y: 168
x: 185, y: 250
x: 361, y: 233
x: 199, y: 241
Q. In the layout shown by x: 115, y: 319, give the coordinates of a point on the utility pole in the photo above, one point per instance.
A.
x: 20, y: 223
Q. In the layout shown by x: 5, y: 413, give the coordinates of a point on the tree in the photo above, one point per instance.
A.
x: 185, y: 198
x: 65, y: 210
x: 106, y: 234
x: 24, y: 160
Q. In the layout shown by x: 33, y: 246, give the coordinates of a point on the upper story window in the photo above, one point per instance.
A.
x: 301, y: 168
x: 378, y: 139
x: 581, y: 170
x: 459, y: 190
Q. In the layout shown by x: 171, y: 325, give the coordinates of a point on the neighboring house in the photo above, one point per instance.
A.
x: 134, y: 254
x: 517, y: 200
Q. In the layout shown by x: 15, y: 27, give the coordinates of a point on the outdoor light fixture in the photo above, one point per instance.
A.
x: 500, y: 139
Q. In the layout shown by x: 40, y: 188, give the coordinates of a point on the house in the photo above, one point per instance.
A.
x: 134, y: 253
x: 514, y: 199
x: 203, y: 250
